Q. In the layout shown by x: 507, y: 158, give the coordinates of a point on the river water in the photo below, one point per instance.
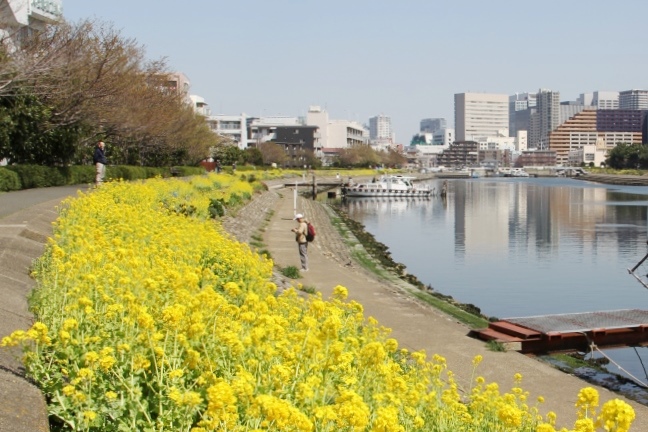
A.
x: 517, y: 247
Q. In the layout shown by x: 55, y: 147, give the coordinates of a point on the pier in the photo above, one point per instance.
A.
x: 575, y: 332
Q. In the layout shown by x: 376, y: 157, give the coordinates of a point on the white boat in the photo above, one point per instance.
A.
x: 519, y: 172
x: 388, y: 186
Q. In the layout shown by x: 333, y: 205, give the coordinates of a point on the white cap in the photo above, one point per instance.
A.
x: 298, y: 216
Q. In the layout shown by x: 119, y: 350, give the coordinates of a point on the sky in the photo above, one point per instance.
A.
x: 403, y: 59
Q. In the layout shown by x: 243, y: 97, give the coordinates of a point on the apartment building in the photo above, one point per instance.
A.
x: 460, y: 154
x: 481, y: 114
x: 603, y: 129
x: 380, y: 127
x: 232, y: 127
x: 19, y: 18
x: 336, y: 133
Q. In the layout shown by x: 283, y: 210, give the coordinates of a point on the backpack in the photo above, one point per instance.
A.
x: 310, y: 234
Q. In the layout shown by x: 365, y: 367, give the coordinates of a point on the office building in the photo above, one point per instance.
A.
x: 633, y: 100
x: 519, y: 111
x: 544, y: 118
x: 600, y: 99
x: 431, y: 125
x: 481, y: 114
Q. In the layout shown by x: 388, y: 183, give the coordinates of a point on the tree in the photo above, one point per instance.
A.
x: 74, y: 84
x: 393, y: 158
x: 253, y: 156
x: 272, y: 153
x: 229, y: 154
x: 625, y: 155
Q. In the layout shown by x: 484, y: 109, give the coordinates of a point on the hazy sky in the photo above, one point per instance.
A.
x: 404, y: 59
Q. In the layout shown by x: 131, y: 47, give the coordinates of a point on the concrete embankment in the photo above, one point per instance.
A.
x: 625, y: 180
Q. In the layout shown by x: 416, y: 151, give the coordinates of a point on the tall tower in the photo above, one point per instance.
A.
x: 480, y: 115
x: 380, y: 127
x: 545, y: 118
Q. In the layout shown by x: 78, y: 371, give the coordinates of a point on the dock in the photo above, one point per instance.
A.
x: 575, y: 332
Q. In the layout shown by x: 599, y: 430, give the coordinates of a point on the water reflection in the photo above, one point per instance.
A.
x: 520, y: 247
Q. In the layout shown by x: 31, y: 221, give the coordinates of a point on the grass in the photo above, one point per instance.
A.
x: 291, y: 272
x: 495, y: 346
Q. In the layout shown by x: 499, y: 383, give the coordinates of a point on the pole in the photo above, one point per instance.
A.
x: 314, y: 188
x: 295, y: 199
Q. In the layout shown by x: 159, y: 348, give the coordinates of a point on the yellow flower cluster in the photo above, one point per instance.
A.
x: 150, y: 317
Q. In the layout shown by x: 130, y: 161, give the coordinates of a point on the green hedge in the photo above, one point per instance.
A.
x: 15, y: 177
x: 9, y: 180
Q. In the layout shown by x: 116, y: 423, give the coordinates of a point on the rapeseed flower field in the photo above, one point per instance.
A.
x: 151, y: 318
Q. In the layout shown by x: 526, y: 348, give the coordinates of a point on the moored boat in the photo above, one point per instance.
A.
x: 388, y: 186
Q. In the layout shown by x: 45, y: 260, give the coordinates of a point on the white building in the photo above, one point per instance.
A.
x: 230, y: 127
x: 199, y: 105
x: 18, y: 18
x: 480, y: 114
x: 600, y: 99
x: 443, y: 137
x: 588, y: 154
x: 380, y: 127
x: 336, y: 133
x: 263, y: 129
x: 521, y: 141
x: 633, y: 99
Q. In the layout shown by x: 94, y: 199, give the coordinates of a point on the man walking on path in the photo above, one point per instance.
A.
x: 100, y: 162
x: 300, y: 237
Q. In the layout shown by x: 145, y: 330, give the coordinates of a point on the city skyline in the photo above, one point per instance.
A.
x: 362, y: 59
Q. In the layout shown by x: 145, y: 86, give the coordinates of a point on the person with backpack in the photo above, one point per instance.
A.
x: 301, y: 232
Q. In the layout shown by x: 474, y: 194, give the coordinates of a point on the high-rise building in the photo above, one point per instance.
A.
x: 380, y: 127
x: 519, y: 110
x: 431, y: 125
x: 480, y: 115
x: 544, y: 118
x: 633, y: 99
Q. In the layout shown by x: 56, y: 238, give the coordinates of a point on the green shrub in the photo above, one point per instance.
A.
x: 80, y: 174
x: 9, y: 180
x: 291, y: 272
x: 35, y: 176
x: 216, y: 207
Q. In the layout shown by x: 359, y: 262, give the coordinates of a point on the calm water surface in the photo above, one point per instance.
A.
x: 522, y: 247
